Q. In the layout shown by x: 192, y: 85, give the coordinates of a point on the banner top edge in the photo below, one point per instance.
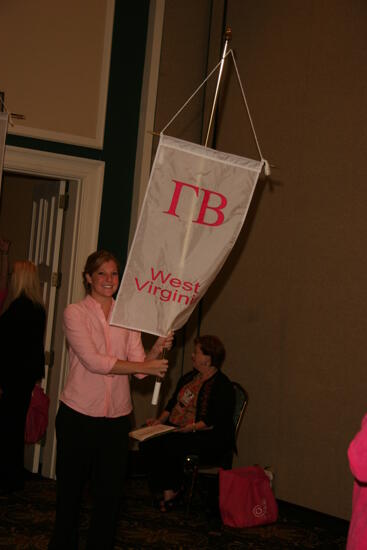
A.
x: 220, y: 156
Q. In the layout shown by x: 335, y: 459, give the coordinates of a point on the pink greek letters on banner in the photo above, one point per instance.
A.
x: 195, y: 205
x: 204, y: 203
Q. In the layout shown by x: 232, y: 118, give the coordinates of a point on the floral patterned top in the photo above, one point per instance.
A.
x: 184, y: 412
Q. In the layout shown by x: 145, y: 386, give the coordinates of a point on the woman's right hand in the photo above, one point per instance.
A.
x: 156, y: 367
x: 152, y: 422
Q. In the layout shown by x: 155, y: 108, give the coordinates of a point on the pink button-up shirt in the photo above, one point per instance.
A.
x: 94, y: 347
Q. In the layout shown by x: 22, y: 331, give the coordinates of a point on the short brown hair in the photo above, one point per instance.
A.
x: 212, y: 346
x: 94, y: 262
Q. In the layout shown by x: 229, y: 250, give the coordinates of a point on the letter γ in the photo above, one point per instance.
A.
x: 176, y: 196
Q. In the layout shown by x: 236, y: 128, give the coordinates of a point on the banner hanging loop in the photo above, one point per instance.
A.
x: 220, y: 65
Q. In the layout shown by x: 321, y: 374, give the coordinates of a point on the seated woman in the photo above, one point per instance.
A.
x: 202, y: 408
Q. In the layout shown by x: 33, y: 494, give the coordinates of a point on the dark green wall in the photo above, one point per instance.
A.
x: 121, y: 129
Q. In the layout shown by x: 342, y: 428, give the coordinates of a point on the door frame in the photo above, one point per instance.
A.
x: 89, y: 173
x: 89, y: 177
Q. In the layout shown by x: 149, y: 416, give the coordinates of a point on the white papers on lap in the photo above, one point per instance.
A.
x: 151, y: 431
x: 195, y: 205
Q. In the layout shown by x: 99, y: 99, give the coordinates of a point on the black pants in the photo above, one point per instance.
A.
x: 95, y: 448
x: 13, y: 411
x: 164, y: 456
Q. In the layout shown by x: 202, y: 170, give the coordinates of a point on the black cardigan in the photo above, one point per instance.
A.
x: 22, y: 328
x: 215, y: 404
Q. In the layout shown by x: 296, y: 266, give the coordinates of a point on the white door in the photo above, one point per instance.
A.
x: 44, y: 250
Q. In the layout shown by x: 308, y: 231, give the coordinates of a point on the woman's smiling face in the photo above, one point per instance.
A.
x: 104, y: 281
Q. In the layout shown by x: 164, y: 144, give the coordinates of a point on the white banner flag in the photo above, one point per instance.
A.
x: 195, y: 205
x: 3, y: 131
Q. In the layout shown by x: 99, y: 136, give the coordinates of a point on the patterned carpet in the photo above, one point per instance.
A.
x: 26, y: 519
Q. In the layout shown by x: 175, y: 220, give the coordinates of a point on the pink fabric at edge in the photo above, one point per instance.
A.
x: 357, y: 454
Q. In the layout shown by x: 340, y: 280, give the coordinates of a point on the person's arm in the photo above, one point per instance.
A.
x: 152, y: 364
x: 79, y: 338
x: 220, y: 406
x: 357, y: 453
x: 156, y: 367
x: 162, y: 419
x: 163, y: 342
x: 194, y: 427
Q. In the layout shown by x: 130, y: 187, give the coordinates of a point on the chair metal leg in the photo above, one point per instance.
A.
x: 191, y: 467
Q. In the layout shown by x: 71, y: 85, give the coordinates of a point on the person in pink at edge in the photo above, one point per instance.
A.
x: 357, y: 455
x: 4, y: 268
x: 92, y: 423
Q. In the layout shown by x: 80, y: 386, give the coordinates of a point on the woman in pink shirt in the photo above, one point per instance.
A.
x: 92, y: 423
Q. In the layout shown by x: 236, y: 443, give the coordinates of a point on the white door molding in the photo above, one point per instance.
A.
x: 89, y: 173
x: 83, y: 238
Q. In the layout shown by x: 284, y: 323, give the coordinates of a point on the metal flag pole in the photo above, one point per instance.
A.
x: 228, y: 37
